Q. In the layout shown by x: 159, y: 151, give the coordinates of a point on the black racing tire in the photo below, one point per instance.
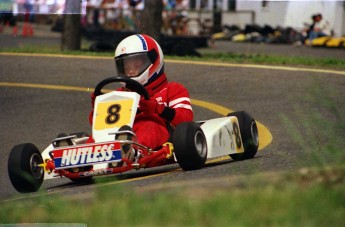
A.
x: 24, y: 172
x: 249, y: 134
x: 190, y: 146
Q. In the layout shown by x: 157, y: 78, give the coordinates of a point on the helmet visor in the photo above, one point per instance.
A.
x: 132, y: 65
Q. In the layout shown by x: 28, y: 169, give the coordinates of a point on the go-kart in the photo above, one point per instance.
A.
x: 112, y: 148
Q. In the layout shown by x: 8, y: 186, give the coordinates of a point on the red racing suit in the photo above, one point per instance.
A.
x: 152, y: 129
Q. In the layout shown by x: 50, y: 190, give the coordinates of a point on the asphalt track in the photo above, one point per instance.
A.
x: 38, y: 113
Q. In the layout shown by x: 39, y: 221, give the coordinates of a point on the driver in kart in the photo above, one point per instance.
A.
x: 140, y: 58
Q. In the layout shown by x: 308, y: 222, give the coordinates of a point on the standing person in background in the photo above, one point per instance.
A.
x: 6, y: 16
x: 29, y: 18
x: 94, y: 7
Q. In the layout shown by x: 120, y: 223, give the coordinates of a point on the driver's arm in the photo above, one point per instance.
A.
x: 176, y: 107
x: 179, y: 106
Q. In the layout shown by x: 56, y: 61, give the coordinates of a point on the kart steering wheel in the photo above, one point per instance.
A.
x: 130, y: 84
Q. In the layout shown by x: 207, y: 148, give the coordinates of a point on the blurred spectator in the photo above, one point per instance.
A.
x: 168, y: 6
x: 30, y: 10
x: 6, y: 16
x: 310, y: 26
x: 29, y: 18
x: 182, y: 7
x: 94, y: 9
x: 135, y: 8
x: 319, y: 28
x: 176, y: 16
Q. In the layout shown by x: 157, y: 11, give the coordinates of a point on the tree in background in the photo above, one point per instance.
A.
x: 71, y: 35
x: 152, y: 22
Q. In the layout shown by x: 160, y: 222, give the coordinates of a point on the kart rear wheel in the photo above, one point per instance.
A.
x: 190, y: 146
x: 23, y: 168
x: 249, y: 134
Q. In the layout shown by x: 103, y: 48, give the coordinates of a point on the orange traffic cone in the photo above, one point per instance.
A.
x: 25, y: 31
x: 15, y: 30
x: 30, y: 30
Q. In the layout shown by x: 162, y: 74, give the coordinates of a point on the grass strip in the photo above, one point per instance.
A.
x: 308, y: 197
x: 330, y: 63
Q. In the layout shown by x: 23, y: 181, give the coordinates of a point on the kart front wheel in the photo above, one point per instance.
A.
x: 190, y: 146
x: 249, y: 134
x: 23, y: 168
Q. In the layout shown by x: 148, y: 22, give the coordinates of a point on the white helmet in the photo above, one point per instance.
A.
x: 141, y: 48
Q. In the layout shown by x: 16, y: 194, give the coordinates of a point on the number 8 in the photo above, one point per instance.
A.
x: 114, y: 115
x: 237, y: 135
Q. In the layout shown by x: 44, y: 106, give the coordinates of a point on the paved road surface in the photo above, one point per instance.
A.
x: 38, y: 115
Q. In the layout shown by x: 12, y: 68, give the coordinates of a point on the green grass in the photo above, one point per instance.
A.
x: 310, y: 197
x: 278, y: 60
x: 318, y: 127
x: 314, y: 62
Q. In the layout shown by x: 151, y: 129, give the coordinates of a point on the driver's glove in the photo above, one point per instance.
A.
x: 150, y: 106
